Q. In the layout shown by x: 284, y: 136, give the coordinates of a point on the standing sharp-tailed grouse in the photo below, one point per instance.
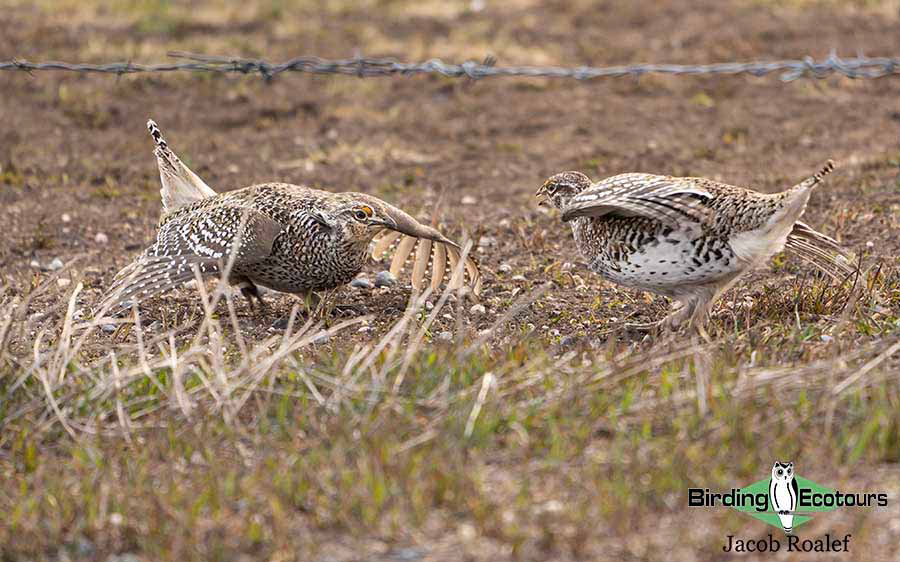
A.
x: 686, y: 238
x: 289, y: 238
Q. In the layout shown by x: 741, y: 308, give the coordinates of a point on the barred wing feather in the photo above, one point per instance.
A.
x: 673, y: 201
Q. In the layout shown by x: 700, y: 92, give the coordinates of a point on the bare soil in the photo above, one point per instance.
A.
x: 73, y: 146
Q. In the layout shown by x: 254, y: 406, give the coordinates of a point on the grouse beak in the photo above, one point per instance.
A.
x: 542, y: 193
x: 387, y: 222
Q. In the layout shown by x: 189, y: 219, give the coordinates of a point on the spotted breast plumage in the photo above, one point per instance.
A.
x: 289, y: 238
x: 686, y: 238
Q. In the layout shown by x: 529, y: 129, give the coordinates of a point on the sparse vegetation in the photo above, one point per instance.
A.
x: 534, y: 428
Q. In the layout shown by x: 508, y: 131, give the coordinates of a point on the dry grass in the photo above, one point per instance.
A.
x: 217, y: 446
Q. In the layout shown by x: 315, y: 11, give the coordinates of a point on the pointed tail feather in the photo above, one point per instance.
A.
x: 430, y: 251
x: 820, y: 250
x: 180, y: 186
x: 815, y: 178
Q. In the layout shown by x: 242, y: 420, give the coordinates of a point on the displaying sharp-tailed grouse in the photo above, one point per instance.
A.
x: 289, y: 238
x: 686, y: 238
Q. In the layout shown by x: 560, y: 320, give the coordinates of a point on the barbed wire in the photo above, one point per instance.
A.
x: 807, y: 67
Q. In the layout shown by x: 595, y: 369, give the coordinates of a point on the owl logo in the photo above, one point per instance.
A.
x: 783, y: 493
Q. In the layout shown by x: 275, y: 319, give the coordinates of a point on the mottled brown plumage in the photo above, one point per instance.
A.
x: 686, y: 238
x: 289, y: 238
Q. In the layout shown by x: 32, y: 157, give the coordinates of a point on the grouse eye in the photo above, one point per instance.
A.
x: 360, y: 215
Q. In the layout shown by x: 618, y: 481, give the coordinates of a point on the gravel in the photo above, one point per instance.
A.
x: 385, y: 279
x: 478, y: 309
x: 55, y: 265
x: 361, y: 283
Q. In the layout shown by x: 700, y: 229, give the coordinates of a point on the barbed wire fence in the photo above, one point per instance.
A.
x: 791, y: 69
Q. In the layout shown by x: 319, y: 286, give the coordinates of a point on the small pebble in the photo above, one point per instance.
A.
x: 84, y: 548
x: 407, y: 554
x: 554, y: 333
x: 429, y: 305
x: 322, y: 338
x: 518, y: 278
x: 826, y: 338
x: 569, y: 341
x: 385, y: 279
x: 361, y: 283
x: 127, y: 557
x: 35, y: 264
x: 445, y: 336
x: 487, y: 241
x: 62, y: 282
x: 467, y: 532
x: 468, y: 200
x: 364, y: 329
x: 101, y: 238
x: 477, y: 309
x: 504, y: 268
x: 66, y: 217
x: 55, y: 265
x: 447, y: 316
x: 108, y: 328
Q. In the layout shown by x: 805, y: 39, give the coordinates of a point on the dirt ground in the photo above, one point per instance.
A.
x: 78, y: 180
x: 77, y: 161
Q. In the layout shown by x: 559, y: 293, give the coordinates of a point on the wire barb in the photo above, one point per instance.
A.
x: 363, y: 67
